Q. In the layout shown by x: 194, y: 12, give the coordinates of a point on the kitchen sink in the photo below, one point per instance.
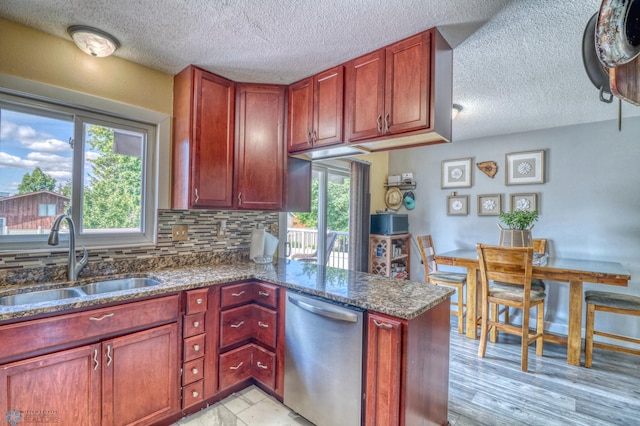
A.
x: 109, y: 286
x: 40, y: 296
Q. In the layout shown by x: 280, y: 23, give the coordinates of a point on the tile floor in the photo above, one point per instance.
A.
x: 249, y: 407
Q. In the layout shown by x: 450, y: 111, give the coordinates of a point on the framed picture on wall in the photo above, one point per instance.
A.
x: 527, y: 202
x: 524, y: 168
x: 489, y: 204
x: 456, y: 173
x: 458, y: 205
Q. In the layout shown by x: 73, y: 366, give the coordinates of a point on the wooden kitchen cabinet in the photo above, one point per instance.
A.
x: 316, y: 111
x: 203, y: 140
x: 260, y: 151
x: 407, y: 369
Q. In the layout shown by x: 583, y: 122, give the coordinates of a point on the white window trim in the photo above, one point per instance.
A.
x: 158, y: 182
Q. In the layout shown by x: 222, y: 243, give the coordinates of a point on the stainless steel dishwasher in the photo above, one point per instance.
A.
x: 323, y: 360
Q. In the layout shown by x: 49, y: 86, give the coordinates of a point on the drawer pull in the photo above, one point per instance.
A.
x: 238, y: 294
x: 194, y: 370
x: 102, y: 317
x: 195, y: 394
x: 196, y: 324
x: 196, y: 348
x: 95, y: 359
x: 109, y: 358
x: 263, y: 293
x: 199, y: 301
x: 238, y: 325
x: 261, y: 365
x: 382, y: 324
x: 262, y: 324
x: 237, y: 366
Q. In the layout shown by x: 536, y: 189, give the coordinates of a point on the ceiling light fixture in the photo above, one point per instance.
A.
x: 455, y: 110
x: 93, y: 41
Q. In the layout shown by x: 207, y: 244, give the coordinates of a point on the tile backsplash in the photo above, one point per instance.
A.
x: 202, y: 246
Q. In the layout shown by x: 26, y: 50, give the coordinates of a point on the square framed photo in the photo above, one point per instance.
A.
x: 489, y: 204
x: 527, y: 202
x: 524, y: 168
x: 457, y: 173
x: 458, y: 205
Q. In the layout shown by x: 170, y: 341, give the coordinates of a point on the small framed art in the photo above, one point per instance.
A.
x: 526, y: 202
x: 524, y: 168
x: 489, y: 204
x: 458, y: 205
x: 456, y: 173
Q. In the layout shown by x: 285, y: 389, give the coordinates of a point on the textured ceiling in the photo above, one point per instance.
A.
x: 517, y: 63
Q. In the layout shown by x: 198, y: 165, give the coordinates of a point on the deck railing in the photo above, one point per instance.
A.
x: 305, y: 241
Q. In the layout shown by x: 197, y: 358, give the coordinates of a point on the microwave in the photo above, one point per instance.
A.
x: 389, y: 224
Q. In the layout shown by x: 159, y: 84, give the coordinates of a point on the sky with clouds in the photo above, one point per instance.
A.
x: 28, y: 141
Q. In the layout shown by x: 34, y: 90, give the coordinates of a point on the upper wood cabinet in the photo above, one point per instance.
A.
x: 316, y: 111
x: 203, y: 140
x: 401, y: 90
x: 260, y: 151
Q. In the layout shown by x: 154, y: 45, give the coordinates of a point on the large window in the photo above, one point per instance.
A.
x: 58, y: 159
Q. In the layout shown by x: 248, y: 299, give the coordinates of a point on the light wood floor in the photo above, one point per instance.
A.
x: 494, y: 391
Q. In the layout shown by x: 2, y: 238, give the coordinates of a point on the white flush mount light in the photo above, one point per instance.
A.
x: 92, y: 41
x: 455, y: 110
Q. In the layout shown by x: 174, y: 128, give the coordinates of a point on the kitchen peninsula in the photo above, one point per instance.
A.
x: 406, y: 339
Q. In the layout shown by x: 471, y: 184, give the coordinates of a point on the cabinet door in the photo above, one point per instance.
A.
x: 61, y: 388
x: 300, y: 123
x: 364, y: 103
x: 260, y: 153
x: 141, y: 376
x: 384, y: 369
x: 328, y: 101
x: 407, y: 88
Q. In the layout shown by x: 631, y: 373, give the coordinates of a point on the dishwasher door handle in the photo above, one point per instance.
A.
x: 338, y: 314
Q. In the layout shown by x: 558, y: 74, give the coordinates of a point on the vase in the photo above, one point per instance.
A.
x: 515, y: 237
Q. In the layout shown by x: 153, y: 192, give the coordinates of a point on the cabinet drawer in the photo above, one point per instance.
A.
x: 265, y: 323
x: 193, y: 325
x: 264, y: 366
x: 267, y: 294
x: 192, y: 393
x: 235, y: 366
x: 192, y: 371
x: 196, y: 301
x: 41, y: 334
x: 194, y: 347
x: 236, y: 294
x: 236, y: 325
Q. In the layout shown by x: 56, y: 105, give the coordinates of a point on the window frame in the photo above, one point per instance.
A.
x: 124, y: 117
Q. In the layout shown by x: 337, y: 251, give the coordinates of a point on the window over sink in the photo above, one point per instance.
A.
x: 57, y: 158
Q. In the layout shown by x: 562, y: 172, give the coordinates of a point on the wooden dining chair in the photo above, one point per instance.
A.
x: 450, y: 279
x: 616, y: 303
x: 511, y: 265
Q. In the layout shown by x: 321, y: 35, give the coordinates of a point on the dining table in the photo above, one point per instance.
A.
x: 573, y: 271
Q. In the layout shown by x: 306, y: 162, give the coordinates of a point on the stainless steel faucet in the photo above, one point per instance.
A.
x: 74, y: 266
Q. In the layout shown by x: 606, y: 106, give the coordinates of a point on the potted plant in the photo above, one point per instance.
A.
x: 518, y: 231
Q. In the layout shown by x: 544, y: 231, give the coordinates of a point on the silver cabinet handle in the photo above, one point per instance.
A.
x: 386, y: 123
x: 382, y: 324
x: 309, y: 139
x: 238, y: 294
x: 197, y: 196
x: 263, y: 293
x: 237, y: 366
x: 195, y: 394
x: 261, y: 365
x: 238, y: 325
x: 95, y: 359
x: 314, y: 138
x: 102, y: 317
x: 199, y: 301
x: 379, y: 123
x: 263, y: 325
x: 196, y: 348
x: 196, y: 324
x: 109, y: 358
x: 239, y: 198
x: 194, y: 370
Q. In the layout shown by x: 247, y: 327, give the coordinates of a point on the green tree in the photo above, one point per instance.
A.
x: 113, y: 191
x: 337, y: 208
x: 36, y: 181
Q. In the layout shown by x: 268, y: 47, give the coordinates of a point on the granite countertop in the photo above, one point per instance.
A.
x: 399, y: 298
